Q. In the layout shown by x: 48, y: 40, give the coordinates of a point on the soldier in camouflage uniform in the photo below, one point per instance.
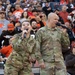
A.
x: 52, y: 40
x: 24, y: 45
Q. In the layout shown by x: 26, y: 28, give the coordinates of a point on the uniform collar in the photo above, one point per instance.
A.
x: 51, y: 29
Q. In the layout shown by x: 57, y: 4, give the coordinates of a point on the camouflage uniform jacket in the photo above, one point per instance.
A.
x: 22, y: 50
x: 51, y: 42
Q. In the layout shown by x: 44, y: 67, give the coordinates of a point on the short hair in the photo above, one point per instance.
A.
x: 27, y: 20
x: 32, y: 20
x: 50, y: 15
x: 34, y: 10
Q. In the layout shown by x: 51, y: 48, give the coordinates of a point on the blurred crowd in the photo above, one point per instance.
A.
x: 14, y: 12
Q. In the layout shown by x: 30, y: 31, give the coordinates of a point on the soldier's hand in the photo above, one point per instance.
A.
x: 64, y: 30
x: 1, y: 59
x: 42, y: 65
x: 32, y: 60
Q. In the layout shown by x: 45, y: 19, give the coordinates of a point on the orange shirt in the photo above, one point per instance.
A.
x: 64, y: 15
x: 6, y: 50
x: 44, y: 23
x: 18, y: 13
x: 38, y: 25
x: 1, y: 25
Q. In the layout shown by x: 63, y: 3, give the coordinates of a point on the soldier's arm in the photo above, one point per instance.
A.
x: 14, y: 42
x: 36, y: 54
x: 37, y: 47
x: 11, y: 40
x: 65, y: 42
x: 34, y: 48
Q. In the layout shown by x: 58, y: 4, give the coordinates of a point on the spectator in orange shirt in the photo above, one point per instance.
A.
x: 64, y: 13
x: 18, y: 12
x: 43, y: 18
x: 5, y: 47
x: 39, y: 22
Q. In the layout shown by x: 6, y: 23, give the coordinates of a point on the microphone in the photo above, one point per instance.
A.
x: 25, y: 33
